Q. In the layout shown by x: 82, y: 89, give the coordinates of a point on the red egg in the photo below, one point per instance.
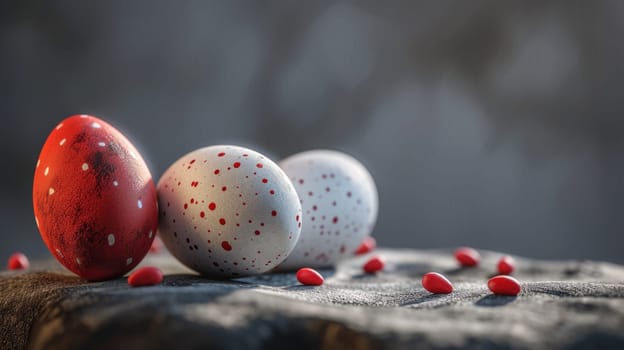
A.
x: 94, y: 199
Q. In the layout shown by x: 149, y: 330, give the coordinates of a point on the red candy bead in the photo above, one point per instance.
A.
x: 309, y: 277
x: 467, y: 256
x: 436, y: 283
x: 374, y: 264
x: 145, y: 276
x: 157, y: 245
x: 504, y: 285
x: 18, y: 261
x: 506, y: 265
x: 367, y: 245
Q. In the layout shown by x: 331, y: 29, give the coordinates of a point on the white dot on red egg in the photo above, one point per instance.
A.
x: 139, y: 204
x: 101, y: 144
x: 111, y: 239
x: 59, y: 126
x: 46, y: 171
x: 128, y: 261
x: 96, y: 125
x: 85, y: 167
x: 59, y: 252
x: 62, y: 142
x: 51, y: 191
x: 115, y: 183
x: 78, y: 261
x: 150, y: 234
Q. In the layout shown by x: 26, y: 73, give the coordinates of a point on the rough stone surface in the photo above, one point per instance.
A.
x: 562, y: 305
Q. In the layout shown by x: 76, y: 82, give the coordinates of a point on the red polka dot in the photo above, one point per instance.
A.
x: 226, y: 245
x: 216, y: 172
x: 224, y: 188
x: 236, y: 164
x: 212, y: 206
x: 265, y: 180
x: 335, y: 220
x: 202, y: 214
x: 272, y: 192
x: 185, y: 205
x: 297, y: 218
x: 222, y: 221
x: 273, y: 213
x: 301, y: 181
x: 192, y: 161
x: 221, y: 154
x: 257, y: 232
x: 259, y: 165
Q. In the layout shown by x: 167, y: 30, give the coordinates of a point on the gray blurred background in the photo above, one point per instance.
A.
x: 485, y: 123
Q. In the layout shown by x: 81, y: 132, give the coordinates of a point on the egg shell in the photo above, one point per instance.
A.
x: 339, y: 202
x: 94, y: 199
x: 228, y: 211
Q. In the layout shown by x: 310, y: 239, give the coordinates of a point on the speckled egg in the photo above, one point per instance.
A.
x: 228, y: 211
x: 94, y: 199
x: 339, y: 202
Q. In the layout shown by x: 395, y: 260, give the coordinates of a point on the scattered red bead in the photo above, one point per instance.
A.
x: 145, y: 276
x: 506, y: 265
x: 374, y: 264
x: 309, y: 277
x: 436, y: 283
x: 18, y: 261
x: 467, y: 256
x: 504, y: 285
x: 367, y: 245
x: 157, y: 245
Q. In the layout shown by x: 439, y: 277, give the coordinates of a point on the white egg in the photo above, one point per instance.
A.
x: 339, y: 201
x: 228, y: 211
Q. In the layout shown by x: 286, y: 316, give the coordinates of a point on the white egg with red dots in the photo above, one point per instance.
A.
x: 339, y: 201
x: 228, y: 211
